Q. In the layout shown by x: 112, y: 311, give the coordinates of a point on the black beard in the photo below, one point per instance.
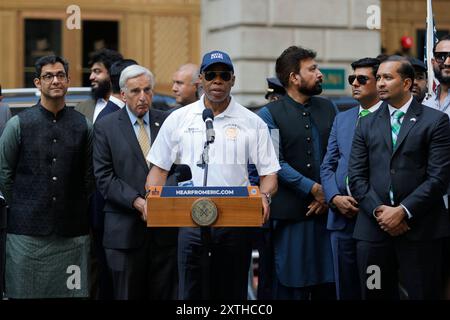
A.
x: 317, y: 89
x: 102, y: 91
x: 442, y: 79
x: 419, y: 98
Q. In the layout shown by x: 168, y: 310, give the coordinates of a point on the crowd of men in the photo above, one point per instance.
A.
x: 355, y: 203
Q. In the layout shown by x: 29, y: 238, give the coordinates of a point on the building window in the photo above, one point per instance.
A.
x: 42, y: 38
x: 97, y: 35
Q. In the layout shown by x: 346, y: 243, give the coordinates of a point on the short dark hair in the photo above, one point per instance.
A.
x: 115, y: 71
x: 367, y: 63
x: 406, y: 70
x: 289, y: 60
x: 382, y: 57
x: 105, y: 56
x: 52, y: 59
x: 443, y: 38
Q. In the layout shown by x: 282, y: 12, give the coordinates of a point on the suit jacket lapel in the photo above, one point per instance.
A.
x: 349, y: 127
x: 155, y: 124
x: 127, y: 129
x: 409, y: 120
x: 385, y: 124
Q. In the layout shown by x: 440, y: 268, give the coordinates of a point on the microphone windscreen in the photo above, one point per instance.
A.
x: 183, y: 173
x: 207, y: 113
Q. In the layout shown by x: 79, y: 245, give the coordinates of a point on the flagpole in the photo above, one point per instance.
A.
x: 429, y: 46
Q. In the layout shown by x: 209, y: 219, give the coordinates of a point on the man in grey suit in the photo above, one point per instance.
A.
x: 142, y: 260
x: 100, y: 78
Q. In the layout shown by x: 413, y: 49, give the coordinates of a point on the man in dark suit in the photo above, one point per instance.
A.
x: 399, y: 170
x: 101, y: 278
x: 343, y: 208
x: 142, y: 260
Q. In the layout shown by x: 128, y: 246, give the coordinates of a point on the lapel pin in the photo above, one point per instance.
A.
x: 157, y: 123
x: 413, y: 119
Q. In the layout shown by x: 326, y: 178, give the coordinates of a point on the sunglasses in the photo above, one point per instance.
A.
x: 441, y: 56
x: 224, y: 75
x: 361, y: 79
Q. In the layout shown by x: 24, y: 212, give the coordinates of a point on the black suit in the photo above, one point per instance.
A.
x: 418, y: 171
x: 100, y: 278
x: 109, y: 108
x: 142, y: 260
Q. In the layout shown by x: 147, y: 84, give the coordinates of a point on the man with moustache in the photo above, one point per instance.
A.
x: 181, y: 140
x: 343, y: 208
x: 399, y: 170
x: 46, y: 177
x: 186, y: 84
x: 440, y: 100
x: 100, y: 78
x: 302, y: 249
x: 420, y: 86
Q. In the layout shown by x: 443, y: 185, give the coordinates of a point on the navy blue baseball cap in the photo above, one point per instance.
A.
x: 274, y: 86
x: 214, y: 57
x: 418, y: 65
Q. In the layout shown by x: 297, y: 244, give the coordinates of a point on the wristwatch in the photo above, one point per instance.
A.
x: 268, y: 197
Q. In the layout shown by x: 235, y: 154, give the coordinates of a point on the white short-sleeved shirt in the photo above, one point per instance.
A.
x: 241, y: 138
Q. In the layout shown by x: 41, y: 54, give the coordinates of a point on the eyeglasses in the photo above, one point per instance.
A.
x: 441, y: 56
x: 48, y: 77
x: 224, y: 75
x: 361, y: 79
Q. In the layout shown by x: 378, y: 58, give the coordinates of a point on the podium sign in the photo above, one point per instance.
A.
x: 208, y: 206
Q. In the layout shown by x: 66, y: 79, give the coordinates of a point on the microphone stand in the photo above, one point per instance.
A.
x: 204, y: 160
x: 205, y: 232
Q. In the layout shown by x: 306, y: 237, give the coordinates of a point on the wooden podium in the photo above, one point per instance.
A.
x: 172, y: 206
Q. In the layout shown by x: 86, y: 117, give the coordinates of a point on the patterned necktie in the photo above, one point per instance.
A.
x: 395, y: 125
x: 143, y: 139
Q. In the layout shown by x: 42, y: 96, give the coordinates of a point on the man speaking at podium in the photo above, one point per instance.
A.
x: 241, y: 137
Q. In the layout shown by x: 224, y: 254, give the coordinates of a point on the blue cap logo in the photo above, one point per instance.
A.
x: 214, y: 57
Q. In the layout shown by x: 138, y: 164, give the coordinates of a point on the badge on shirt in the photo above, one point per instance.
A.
x: 231, y: 131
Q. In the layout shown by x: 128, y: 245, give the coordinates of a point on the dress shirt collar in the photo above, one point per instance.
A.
x: 117, y: 102
x: 404, y: 108
x: 133, y: 118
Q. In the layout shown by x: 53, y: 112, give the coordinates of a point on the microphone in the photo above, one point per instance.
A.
x: 183, y: 173
x: 208, y: 117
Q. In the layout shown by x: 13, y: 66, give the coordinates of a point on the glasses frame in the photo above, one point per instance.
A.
x: 61, y: 76
x: 439, y: 59
x: 362, y: 80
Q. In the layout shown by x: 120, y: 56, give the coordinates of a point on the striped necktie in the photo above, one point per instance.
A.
x: 396, y: 123
x: 144, y: 141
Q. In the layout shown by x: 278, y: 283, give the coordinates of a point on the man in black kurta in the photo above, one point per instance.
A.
x: 46, y: 176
